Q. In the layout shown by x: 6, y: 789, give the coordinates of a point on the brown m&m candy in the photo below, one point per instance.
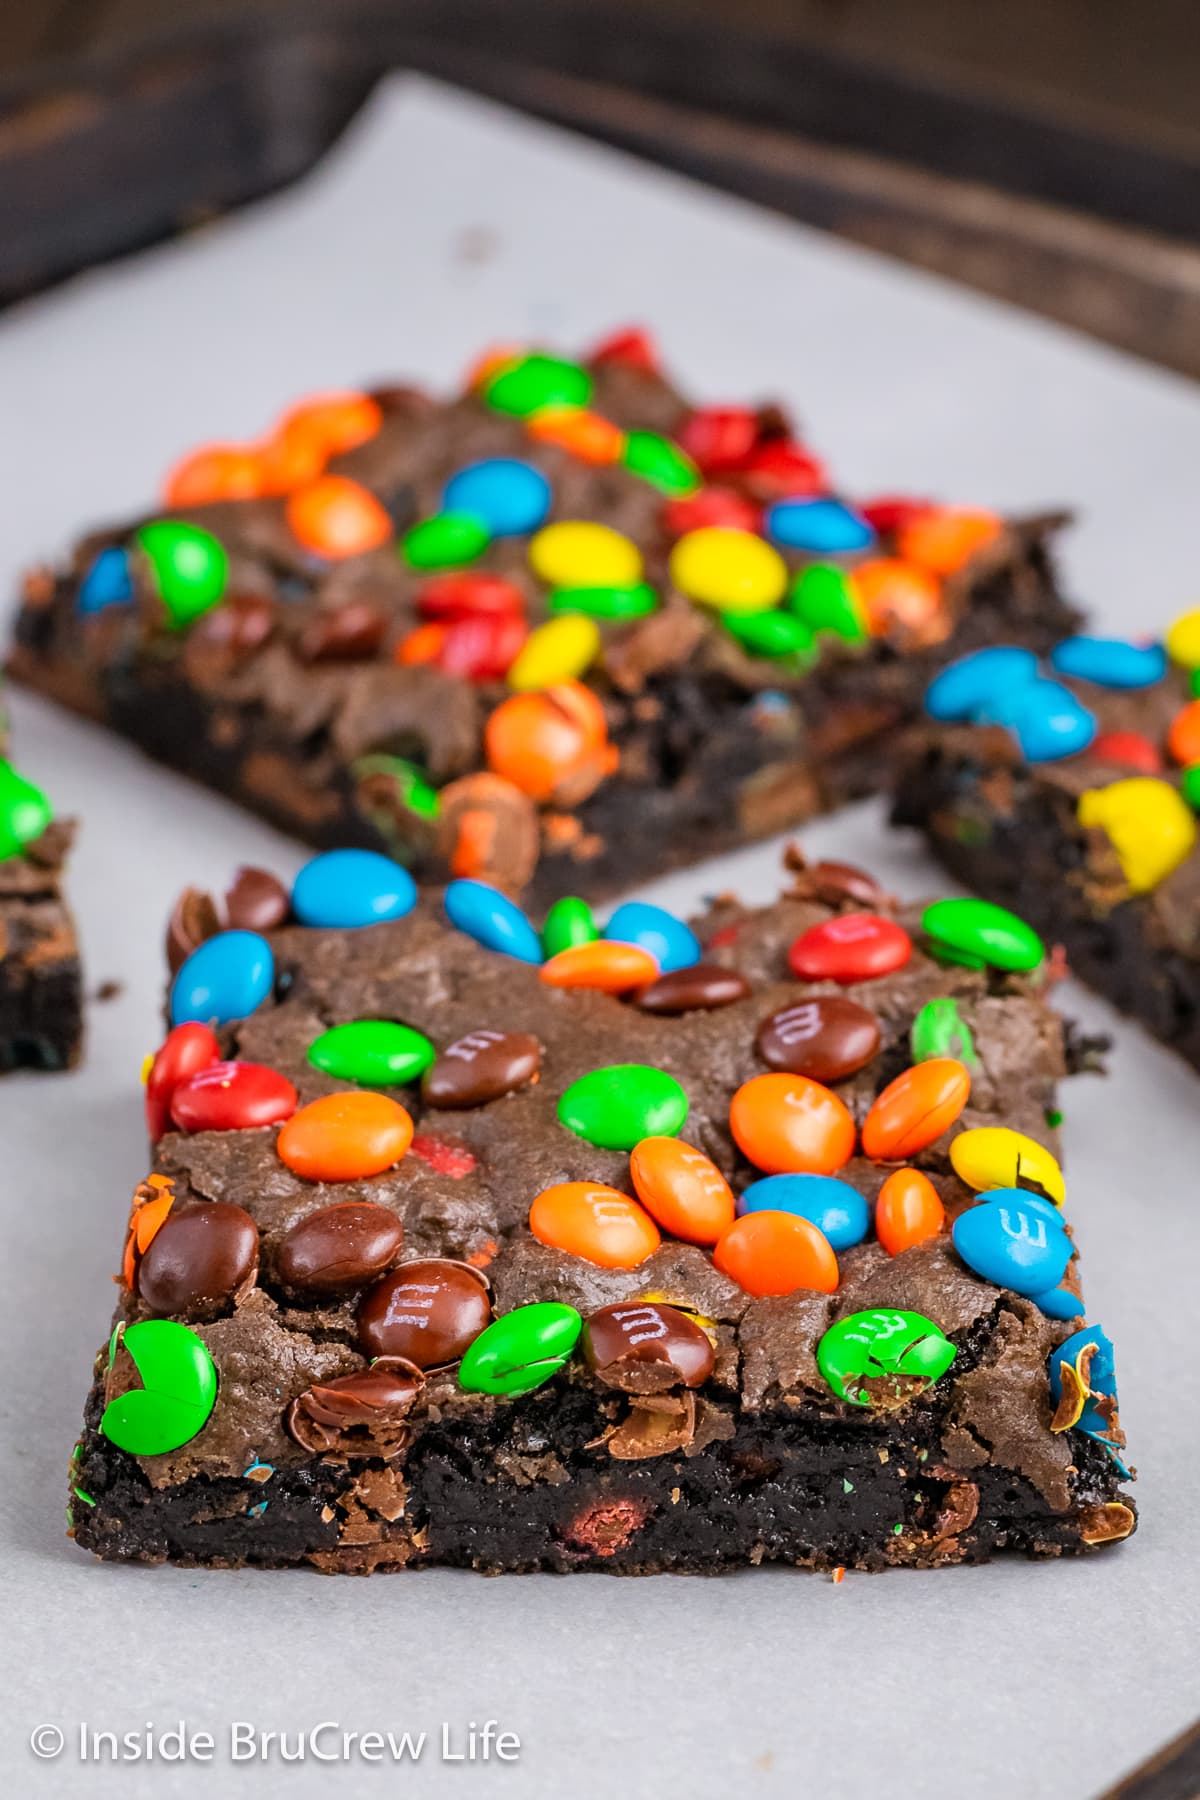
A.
x: 644, y: 1347
x: 200, y: 1258
x: 482, y: 1066
x: 194, y: 919
x: 429, y: 1311
x: 361, y: 1414
x: 352, y: 633
x: 257, y: 901
x: 339, y: 1248
x: 825, y: 1038
x: 702, y: 987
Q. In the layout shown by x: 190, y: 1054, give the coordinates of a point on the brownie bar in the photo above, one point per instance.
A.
x: 41, y: 997
x: 326, y: 626
x: 483, y: 1350
x: 1096, y: 847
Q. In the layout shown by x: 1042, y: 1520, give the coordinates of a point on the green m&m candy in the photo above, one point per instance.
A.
x: 660, y: 462
x: 882, y: 1358
x: 377, y: 1052
x: 1190, y: 786
x: 976, y: 935
x: 939, y: 1029
x: 774, y: 634
x: 822, y: 596
x: 25, y: 811
x: 178, y: 1391
x: 569, y: 922
x: 449, y: 540
x: 536, y: 381
x: 519, y: 1351
x: 615, y: 1108
x: 409, y: 785
x: 606, y: 602
x: 190, y: 568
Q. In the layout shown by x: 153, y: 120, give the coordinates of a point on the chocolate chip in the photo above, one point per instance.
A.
x: 429, y: 1311
x: 198, y: 1260
x: 642, y: 1347
x: 703, y: 986
x: 339, y: 1248
x: 257, y: 901
x: 351, y: 634
x: 480, y: 1067
x: 194, y: 919
x: 825, y: 1038
x: 361, y: 1414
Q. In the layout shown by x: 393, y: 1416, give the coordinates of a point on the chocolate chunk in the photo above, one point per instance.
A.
x: 429, y: 1311
x: 257, y: 901
x: 194, y: 918
x: 482, y: 1066
x: 826, y: 1037
x: 642, y: 1347
x: 704, y: 986
x: 200, y: 1258
x: 362, y: 1414
x: 339, y: 1248
x: 661, y: 1425
x: 351, y: 634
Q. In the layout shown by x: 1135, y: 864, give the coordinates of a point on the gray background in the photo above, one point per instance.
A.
x: 439, y: 225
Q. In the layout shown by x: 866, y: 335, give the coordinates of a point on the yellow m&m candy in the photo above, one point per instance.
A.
x: 1183, y: 639
x: 993, y: 1156
x: 733, y: 570
x: 577, y: 553
x: 560, y: 650
x: 1149, y: 824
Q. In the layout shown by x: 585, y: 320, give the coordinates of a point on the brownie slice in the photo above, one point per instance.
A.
x: 1096, y: 848
x: 332, y: 1349
x: 41, y: 997
x: 323, y: 628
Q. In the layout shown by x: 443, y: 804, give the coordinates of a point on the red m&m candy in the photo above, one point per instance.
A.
x: 781, y: 469
x: 1129, y: 749
x: 710, y: 506
x: 632, y: 348
x: 469, y: 596
x: 789, y: 1125
x: 719, y: 438
x: 853, y: 947
x: 187, y: 1050
x: 233, y: 1096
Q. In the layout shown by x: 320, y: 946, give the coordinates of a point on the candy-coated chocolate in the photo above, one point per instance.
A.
x: 879, y: 1359
x: 569, y: 922
x: 510, y: 497
x: 448, y: 540
x: 1129, y: 750
x: 854, y: 947
x: 994, y: 1156
x: 1088, y: 1354
x: 682, y: 1189
x: 334, y: 517
x: 1189, y: 786
x: 1183, y: 734
x: 974, y: 681
x: 363, y: 1413
x: 345, y: 1137
x: 338, y: 421
x: 630, y: 347
x: 1022, y: 1197
x: 701, y: 987
x: 780, y: 469
x: 224, y: 979
x: 598, y: 1223
x: 353, y: 632
x: 377, y: 1052
x: 616, y: 1107
x: 710, y: 506
x: 943, y: 539
x: 256, y: 901
x: 177, y: 1393
x: 25, y: 812
x: 341, y: 889
x: 190, y: 568
x: 1149, y: 824
x: 560, y: 650
x: 469, y: 595
x: 481, y: 648
x: 579, y: 553
x: 521, y: 1350
x: 485, y: 1065
x: 915, y: 1109
x: 939, y: 1029
x: 773, y: 633
x: 406, y: 786
x: 787, y: 1124
x: 838, y: 1210
x: 909, y: 1210
x: 660, y: 462
x: 826, y: 1038
x: 671, y: 943
x: 1045, y: 717
x: 108, y: 582
x: 232, y: 1096
x: 529, y: 383
x: 897, y: 596
x: 719, y: 438
x: 610, y: 968
x: 1013, y: 1247
x: 198, y: 1261
x: 824, y: 599
x: 339, y: 1248
x: 733, y: 571
x: 583, y: 434
x: 429, y: 1311
x: 186, y: 1050
x: 978, y: 934
x: 821, y: 526
x: 777, y: 1253
x: 1183, y: 639
x: 645, y: 1347
x: 553, y: 744
x: 632, y: 602
x: 1110, y: 662
x: 492, y: 919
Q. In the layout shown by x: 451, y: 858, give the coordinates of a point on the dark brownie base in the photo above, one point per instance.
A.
x: 41, y: 983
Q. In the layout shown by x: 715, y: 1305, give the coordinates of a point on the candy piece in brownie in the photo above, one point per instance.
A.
x: 777, y: 1271
x: 559, y: 633
x: 1068, y: 793
x: 41, y: 1000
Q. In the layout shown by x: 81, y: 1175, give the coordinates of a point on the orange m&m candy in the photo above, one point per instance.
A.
x: 682, y: 1189
x: 335, y: 422
x: 335, y: 517
x: 1183, y: 738
x: 598, y: 1223
x: 585, y: 434
x: 915, y: 1109
x: 789, y: 1125
x: 776, y: 1253
x: 895, y: 593
x: 609, y: 967
x: 552, y: 744
x: 345, y: 1137
x: 908, y: 1210
x: 216, y: 472
x: 943, y: 538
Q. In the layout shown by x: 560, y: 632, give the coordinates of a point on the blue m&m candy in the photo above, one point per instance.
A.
x: 673, y: 944
x: 824, y: 527
x: 1021, y: 1197
x: 511, y: 497
x: 974, y: 681
x: 1046, y: 719
x: 107, y: 583
x: 492, y: 919
x: 346, y: 888
x: 1100, y: 1368
x: 1059, y: 1303
x: 1013, y: 1245
x: 833, y: 1206
x: 225, y: 978
x: 1110, y: 662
